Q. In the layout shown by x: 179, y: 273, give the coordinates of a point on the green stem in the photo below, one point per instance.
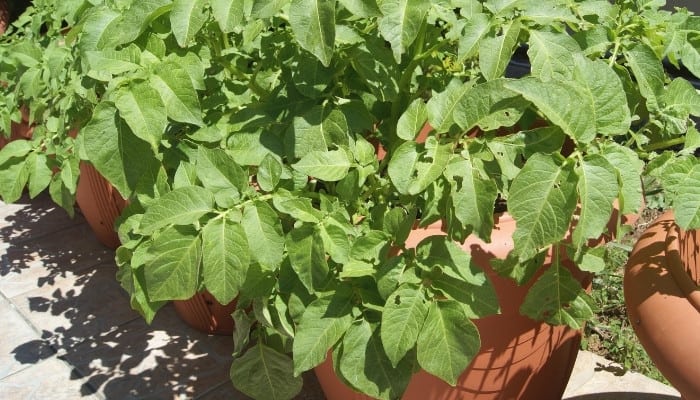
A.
x: 663, y: 145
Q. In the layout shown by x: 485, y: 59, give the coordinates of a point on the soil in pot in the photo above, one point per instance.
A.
x: 663, y: 301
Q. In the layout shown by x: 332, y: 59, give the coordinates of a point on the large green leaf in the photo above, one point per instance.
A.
x: 40, y: 173
x: 474, y: 30
x: 380, y: 72
x: 414, y: 167
x: 321, y: 326
x: 264, y: 373
x: 682, y: 183
x: 362, y: 8
x: 489, y: 106
x: 143, y: 110
x: 366, y: 367
x: 182, y: 206
x: 313, y: 24
x: 226, y: 258
x: 598, y: 188
x: 114, y: 150
x: 325, y: 165
x: 447, y: 342
x: 603, y: 89
x: 13, y: 178
x: 561, y: 103
x: 187, y: 17
x: 220, y: 173
x: 93, y: 32
x: 228, y: 14
x: 175, y: 86
x: 495, y: 52
x: 264, y: 232
x: 648, y: 72
x: 308, y: 257
x: 542, y: 200
x: 172, y: 273
x: 551, y: 55
x: 402, y: 321
x: 557, y: 298
x: 473, y: 197
x: 401, y: 23
x: 132, y: 22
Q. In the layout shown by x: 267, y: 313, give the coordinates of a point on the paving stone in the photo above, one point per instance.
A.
x: 21, y: 346
x: 79, y: 306
x: 50, y: 379
x: 162, y: 361
x: 609, y: 381
x: 310, y: 391
x: 29, y: 219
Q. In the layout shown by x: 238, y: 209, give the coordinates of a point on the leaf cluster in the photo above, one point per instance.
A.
x: 281, y: 153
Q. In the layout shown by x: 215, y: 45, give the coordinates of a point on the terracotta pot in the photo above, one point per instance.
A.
x: 4, y: 15
x: 663, y: 301
x: 100, y: 203
x: 204, y: 313
x: 519, y: 359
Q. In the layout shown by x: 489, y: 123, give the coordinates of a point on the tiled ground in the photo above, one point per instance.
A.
x: 68, y: 331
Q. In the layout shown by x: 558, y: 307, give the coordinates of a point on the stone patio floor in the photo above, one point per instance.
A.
x: 69, y: 333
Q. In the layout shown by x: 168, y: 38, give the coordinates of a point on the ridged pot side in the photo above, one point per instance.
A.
x: 663, y: 301
x: 100, y: 203
x: 519, y: 359
x: 4, y: 15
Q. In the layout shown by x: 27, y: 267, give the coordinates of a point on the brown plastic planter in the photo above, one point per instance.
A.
x: 4, y: 15
x: 663, y: 301
x: 100, y: 203
x: 204, y: 313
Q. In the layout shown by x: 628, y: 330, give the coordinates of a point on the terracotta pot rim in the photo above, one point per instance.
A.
x: 674, y: 263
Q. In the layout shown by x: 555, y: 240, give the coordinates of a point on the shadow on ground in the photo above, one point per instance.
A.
x: 63, y: 281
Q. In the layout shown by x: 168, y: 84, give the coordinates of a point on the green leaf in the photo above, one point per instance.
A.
x: 378, y: 69
x: 226, y: 258
x: 228, y: 14
x: 414, y: 167
x: 474, y: 30
x: 598, y: 188
x: 321, y: 326
x: 551, y: 55
x: 325, y: 165
x: 263, y: 9
x: 143, y: 110
x: 489, y: 106
x: 603, y: 89
x: 40, y: 173
x: 412, y: 120
x: 496, y: 52
x: 269, y: 173
x: 297, y: 206
x: 680, y: 180
x: 264, y: 373
x: 366, y: 367
x: 558, y: 299
x: 308, y: 257
x: 264, y: 232
x: 362, y: 8
x: 310, y: 77
x: 172, y: 273
x: 119, y: 155
x: 447, y: 342
x: 220, y: 173
x: 401, y: 22
x: 182, y: 206
x: 94, y: 27
x: 132, y: 22
x: 313, y: 24
x: 173, y: 83
x: 318, y: 130
x: 187, y: 17
x: 13, y: 178
x: 442, y: 106
x: 629, y: 170
x: 648, y: 72
x: 15, y: 149
x: 402, y: 321
x: 115, y: 62
x: 561, y: 103
x: 473, y: 197
x: 542, y: 200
